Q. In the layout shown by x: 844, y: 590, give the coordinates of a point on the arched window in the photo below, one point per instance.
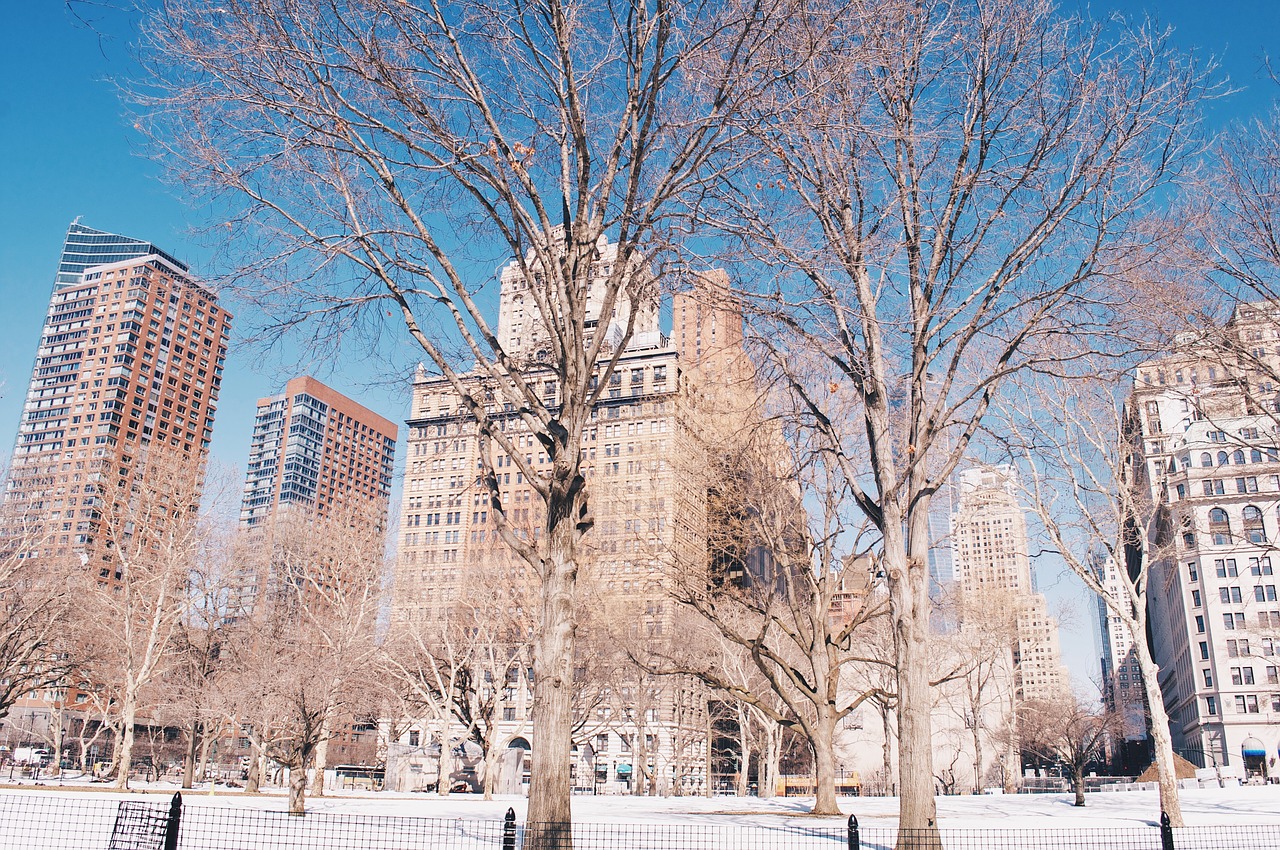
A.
x: 1185, y: 461
x: 1255, y: 456
x: 1206, y: 459
x: 1238, y: 457
x: 1253, y: 527
x: 1219, y: 527
x: 1222, y: 458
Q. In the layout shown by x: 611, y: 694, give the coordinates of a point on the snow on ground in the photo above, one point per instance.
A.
x: 1202, y: 807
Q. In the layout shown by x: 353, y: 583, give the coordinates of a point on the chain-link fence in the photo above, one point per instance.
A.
x: 51, y: 822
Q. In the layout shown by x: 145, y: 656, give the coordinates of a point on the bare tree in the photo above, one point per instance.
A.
x: 1070, y: 731
x: 134, y: 592
x: 1092, y: 499
x: 953, y: 202
x: 192, y: 687
x: 36, y: 596
x: 985, y: 640
x: 380, y: 149
x: 321, y: 585
x: 1241, y: 220
x: 463, y: 671
x: 781, y: 585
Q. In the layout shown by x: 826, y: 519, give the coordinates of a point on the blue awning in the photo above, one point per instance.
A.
x: 1250, y: 751
x: 624, y: 769
x: 1253, y: 748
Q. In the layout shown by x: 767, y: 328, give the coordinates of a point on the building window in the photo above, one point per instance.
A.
x: 1219, y: 526
x: 1208, y: 678
x: 1211, y: 706
x: 1253, y: 527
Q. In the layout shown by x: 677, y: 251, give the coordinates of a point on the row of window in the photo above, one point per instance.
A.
x: 1244, y: 704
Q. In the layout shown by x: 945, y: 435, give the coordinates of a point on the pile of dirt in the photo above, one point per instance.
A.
x: 1182, y: 768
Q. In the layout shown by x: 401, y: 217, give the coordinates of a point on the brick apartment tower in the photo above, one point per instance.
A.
x: 314, y: 447
x: 130, y: 359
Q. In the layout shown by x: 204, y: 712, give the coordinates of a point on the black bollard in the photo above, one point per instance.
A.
x: 172, y: 822
x: 509, y: 830
x: 855, y: 840
x: 1166, y: 832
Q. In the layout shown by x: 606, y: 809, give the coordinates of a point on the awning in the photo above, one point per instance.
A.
x: 624, y: 769
x: 1253, y: 748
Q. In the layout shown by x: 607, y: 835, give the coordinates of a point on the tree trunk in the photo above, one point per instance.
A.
x: 298, y: 789
x: 322, y: 762
x: 823, y: 737
x: 124, y: 755
x: 202, y: 764
x: 977, y: 750
x: 744, y: 752
x: 444, y: 764
x: 909, y: 605
x: 772, y: 759
x: 254, y: 778
x: 189, y: 758
x: 1077, y: 779
x: 490, y: 770
x: 58, y: 735
x: 1012, y: 757
x: 549, y: 788
x: 886, y: 749
x: 1160, y: 738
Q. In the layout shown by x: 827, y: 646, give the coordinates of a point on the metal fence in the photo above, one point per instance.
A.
x: 51, y: 822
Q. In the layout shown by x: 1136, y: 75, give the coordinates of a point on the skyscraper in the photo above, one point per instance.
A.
x: 993, y: 569
x: 1203, y: 436
x: 1122, y: 688
x: 130, y: 357
x: 649, y: 504
x: 314, y: 447
x: 85, y: 247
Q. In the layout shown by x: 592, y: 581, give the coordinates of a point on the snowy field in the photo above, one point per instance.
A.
x: 1246, y: 805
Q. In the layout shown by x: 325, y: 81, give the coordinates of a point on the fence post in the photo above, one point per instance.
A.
x: 509, y: 830
x: 855, y: 840
x: 1166, y: 832
x: 172, y: 822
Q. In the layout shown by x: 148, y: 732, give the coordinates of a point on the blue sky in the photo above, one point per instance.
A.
x: 67, y: 150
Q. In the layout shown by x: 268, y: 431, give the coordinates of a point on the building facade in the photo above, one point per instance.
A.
x: 1203, y: 431
x: 993, y: 570
x: 130, y: 360
x: 649, y: 503
x: 315, y: 448
x: 1121, y: 677
x: 127, y: 373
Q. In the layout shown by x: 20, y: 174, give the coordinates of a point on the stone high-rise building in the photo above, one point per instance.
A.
x: 1122, y: 688
x: 1203, y: 431
x: 649, y: 502
x: 992, y: 567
